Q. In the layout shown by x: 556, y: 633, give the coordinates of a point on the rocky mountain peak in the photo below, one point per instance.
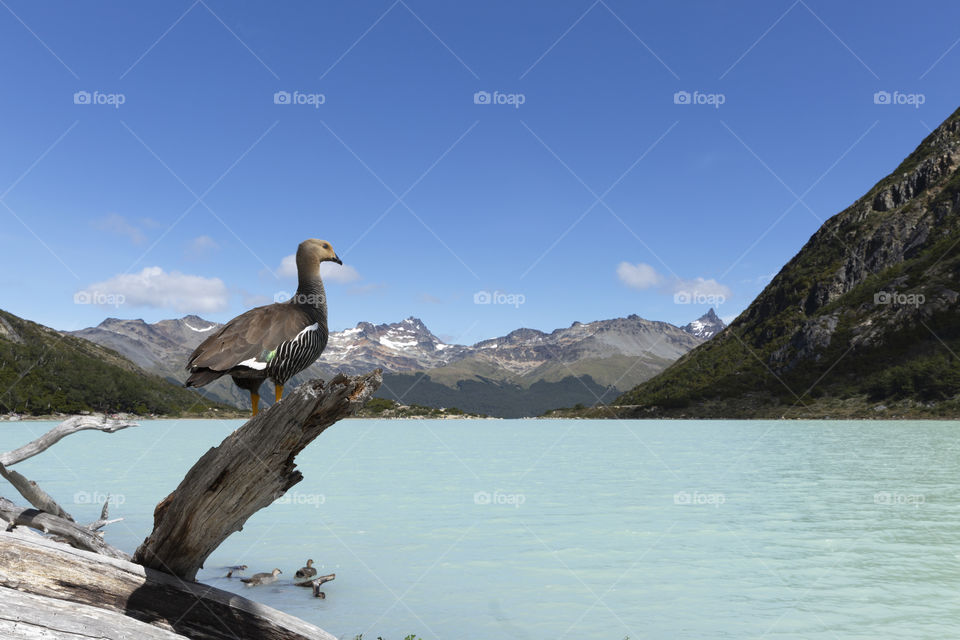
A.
x: 706, y: 326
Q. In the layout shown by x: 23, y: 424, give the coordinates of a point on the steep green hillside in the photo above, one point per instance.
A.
x: 43, y: 371
x: 862, y: 321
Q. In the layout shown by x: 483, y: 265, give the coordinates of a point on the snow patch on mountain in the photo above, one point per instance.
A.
x: 706, y: 326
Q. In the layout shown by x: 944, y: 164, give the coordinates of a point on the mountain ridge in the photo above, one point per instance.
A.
x: 609, y: 352
x: 861, y: 321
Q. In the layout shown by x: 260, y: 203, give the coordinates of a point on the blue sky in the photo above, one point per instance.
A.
x: 606, y: 191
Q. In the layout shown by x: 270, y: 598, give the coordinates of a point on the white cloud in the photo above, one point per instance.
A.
x: 329, y: 271
x: 701, y: 287
x: 642, y: 276
x: 153, y: 287
x: 364, y: 289
x: 288, y: 267
x: 638, y: 276
x: 115, y: 223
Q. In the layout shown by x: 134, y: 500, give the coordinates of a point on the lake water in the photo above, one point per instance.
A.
x: 572, y: 529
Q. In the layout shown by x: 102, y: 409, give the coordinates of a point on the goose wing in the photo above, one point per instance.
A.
x: 247, y: 339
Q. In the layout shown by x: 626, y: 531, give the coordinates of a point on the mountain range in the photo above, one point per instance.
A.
x: 863, y: 321
x: 525, y: 372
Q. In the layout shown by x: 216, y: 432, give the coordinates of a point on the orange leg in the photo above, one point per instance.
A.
x: 255, y: 401
x: 278, y: 389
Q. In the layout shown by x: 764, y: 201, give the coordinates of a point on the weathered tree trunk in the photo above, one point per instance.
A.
x: 250, y: 469
x: 50, y: 590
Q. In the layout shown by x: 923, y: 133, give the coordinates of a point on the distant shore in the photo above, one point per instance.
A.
x: 59, y: 417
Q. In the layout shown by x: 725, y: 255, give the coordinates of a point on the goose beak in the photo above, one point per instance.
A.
x: 337, y: 260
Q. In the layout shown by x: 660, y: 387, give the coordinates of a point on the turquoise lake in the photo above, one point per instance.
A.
x: 571, y: 529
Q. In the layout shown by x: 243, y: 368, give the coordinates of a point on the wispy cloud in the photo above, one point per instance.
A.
x: 202, y: 247
x: 154, y: 287
x: 426, y: 297
x: 117, y: 224
x: 642, y: 276
x: 329, y: 271
x: 366, y: 288
x: 638, y: 276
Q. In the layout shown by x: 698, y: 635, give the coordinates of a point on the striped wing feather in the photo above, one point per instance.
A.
x: 248, y: 335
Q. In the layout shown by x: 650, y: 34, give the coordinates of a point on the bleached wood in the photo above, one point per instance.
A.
x: 25, y: 616
x: 315, y: 582
x: 47, y: 569
x: 250, y: 469
x: 76, y: 535
x: 62, y: 430
x: 32, y: 492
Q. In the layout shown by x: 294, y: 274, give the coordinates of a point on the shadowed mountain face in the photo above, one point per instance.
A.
x: 163, y: 348
x: 614, y: 354
x: 863, y: 318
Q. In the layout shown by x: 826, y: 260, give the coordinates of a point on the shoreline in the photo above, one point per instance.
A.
x: 132, y: 418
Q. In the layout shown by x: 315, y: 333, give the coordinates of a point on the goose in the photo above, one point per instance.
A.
x: 307, y: 571
x: 258, y: 579
x: 275, y: 341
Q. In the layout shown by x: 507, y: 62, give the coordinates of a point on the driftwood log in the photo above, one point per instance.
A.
x: 85, y: 538
x: 34, y: 494
x: 316, y: 582
x: 62, y: 430
x: 29, y: 617
x: 110, y: 591
x: 250, y: 469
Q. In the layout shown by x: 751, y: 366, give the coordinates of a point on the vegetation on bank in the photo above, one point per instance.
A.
x: 767, y: 407
x: 384, y: 408
x: 43, y: 371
